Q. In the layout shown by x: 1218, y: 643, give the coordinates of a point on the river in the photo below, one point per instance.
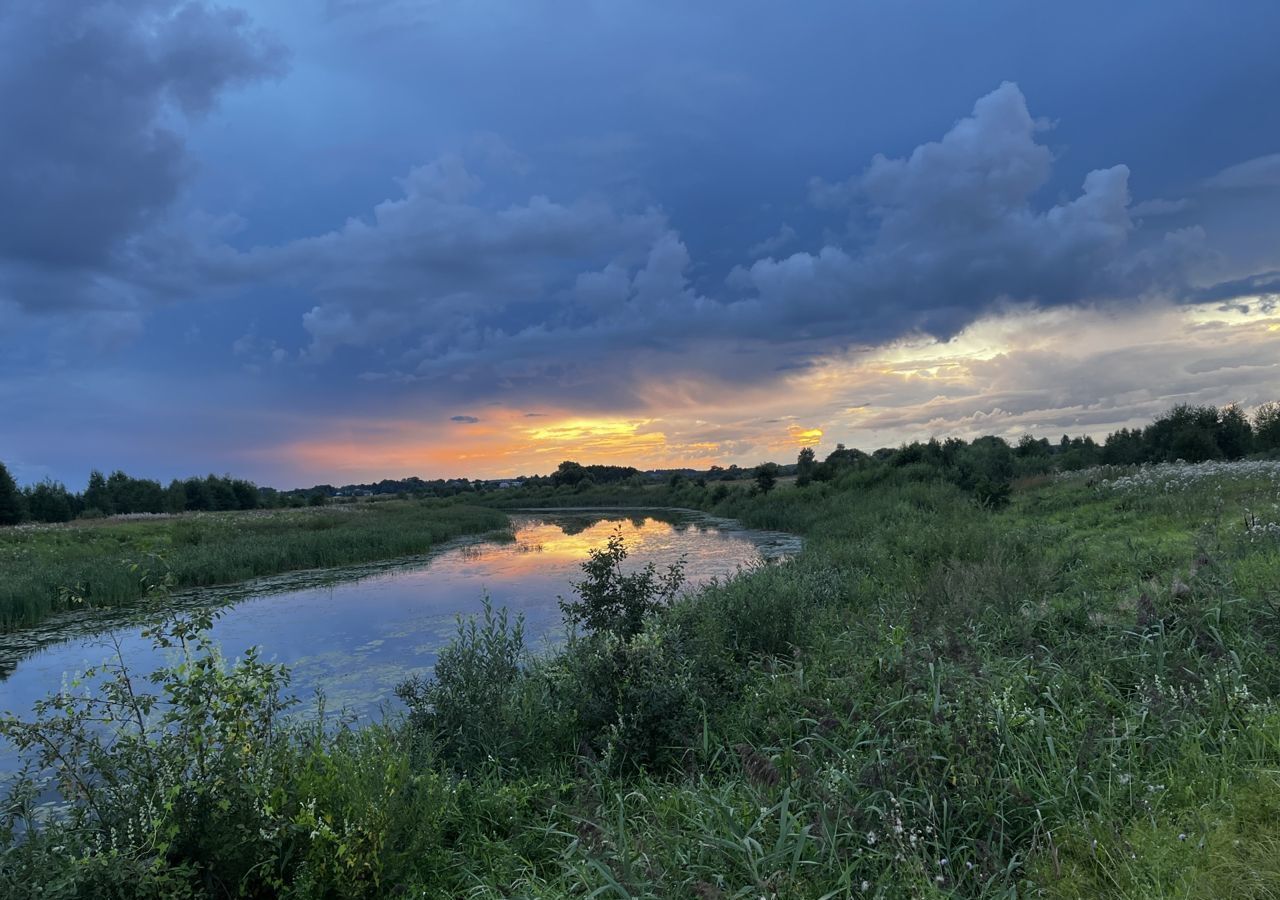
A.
x: 355, y: 633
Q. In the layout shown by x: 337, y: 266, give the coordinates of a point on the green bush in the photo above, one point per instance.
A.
x: 481, y: 706
x: 614, y: 601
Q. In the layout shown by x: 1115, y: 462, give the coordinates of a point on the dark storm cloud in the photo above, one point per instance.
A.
x: 1264, y: 284
x: 956, y: 229
x: 443, y: 268
x: 546, y: 204
x: 91, y: 156
x: 448, y: 283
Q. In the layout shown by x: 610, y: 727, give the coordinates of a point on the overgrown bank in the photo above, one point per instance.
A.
x: 1075, y: 693
x: 111, y: 562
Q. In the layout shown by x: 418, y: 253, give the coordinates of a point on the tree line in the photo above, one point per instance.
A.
x: 121, y: 494
x: 987, y: 465
x: 984, y: 466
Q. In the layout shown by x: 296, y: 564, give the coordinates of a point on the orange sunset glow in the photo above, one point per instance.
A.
x: 1005, y: 373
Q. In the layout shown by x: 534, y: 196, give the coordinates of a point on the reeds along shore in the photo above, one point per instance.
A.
x: 1073, y: 694
x: 111, y: 562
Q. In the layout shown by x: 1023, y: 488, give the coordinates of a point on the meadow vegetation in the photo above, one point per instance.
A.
x: 1067, y: 688
x: 983, y: 676
x: 111, y: 562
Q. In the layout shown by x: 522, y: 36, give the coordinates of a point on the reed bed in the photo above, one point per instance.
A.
x: 110, y: 562
x: 1075, y: 695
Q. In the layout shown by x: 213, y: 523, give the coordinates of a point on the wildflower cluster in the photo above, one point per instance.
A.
x: 1176, y: 477
x: 1255, y: 529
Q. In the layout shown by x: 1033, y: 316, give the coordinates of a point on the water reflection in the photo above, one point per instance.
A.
x: 358, y: 636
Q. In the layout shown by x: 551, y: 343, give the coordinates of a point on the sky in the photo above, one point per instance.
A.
x: 332, y: 241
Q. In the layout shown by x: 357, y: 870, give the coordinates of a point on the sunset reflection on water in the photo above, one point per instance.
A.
x: 356, y: 633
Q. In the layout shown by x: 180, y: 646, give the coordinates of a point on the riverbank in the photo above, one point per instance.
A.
x: 1075, y: 694
x: 111, y: 562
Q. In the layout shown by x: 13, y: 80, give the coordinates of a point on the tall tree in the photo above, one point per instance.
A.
x: 766, y: 476
x: 49, y: 501
x: 804, y: 466
x: 96, y: 495
x: 1234, y: 434
x: 12, y: 507
x: 1266, y: 426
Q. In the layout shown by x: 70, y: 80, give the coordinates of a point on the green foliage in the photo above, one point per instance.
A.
x: 572, y: 474
x: 12, y: 507
x: 94, y: 559
x: 1266, y: 426
x: 183, y: 764
x: 805, y: 466
x: 50, y: 501
x: 1073, y: 696
x: 471, y: 706
x: 766, y: 476
x: 616, y: 602
x: 96, y: 496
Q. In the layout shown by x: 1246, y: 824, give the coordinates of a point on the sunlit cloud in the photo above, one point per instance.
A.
x: 1046, y: 372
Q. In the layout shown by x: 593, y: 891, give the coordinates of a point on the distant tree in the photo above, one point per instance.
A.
x: 1079, y: 453
x: 1124, y: 448
x: 1234, y: 434
x: 766, y: 476
x: 134, y: 495
x: 221, y: 494
x: 12, y: 507
x: 568, y: 473
x: 951, y: 450
x: 317, y: 498
x: 907, y: 454
x: 1185, y: 432
x: 805, y: 464
x: 1266, y: 426
x: 1194, y: 445
x: 96, y: 496
x: 837, y: 461
x: 197, y: 495
x: 985, y: 462
x: 1030, y: 448
x: 49, y: 501
x: 246, y: 494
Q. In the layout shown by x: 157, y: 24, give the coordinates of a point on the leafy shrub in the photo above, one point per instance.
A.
x: 635, y: 703
x: 612, y: 601
x: 184, y: 777
x: 992, y: 494
x: 472, y: 704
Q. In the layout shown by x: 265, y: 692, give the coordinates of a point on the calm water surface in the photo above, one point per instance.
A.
x: 356, y: 633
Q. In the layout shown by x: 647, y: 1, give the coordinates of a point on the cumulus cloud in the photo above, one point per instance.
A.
x: 91, y: 155
x: 444, y: 268
x: 450, y: 281
x: 785, y: 237
x: 1160, y: 207
x: 1261, y: 172
x: 956, y: 230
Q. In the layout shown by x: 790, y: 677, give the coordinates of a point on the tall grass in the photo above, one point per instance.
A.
x: 1074, y: 696
x: 45, y: 569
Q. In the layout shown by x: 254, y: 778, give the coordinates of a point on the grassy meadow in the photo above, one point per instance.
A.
x: 1070, y: 696
x: 111, y: 562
